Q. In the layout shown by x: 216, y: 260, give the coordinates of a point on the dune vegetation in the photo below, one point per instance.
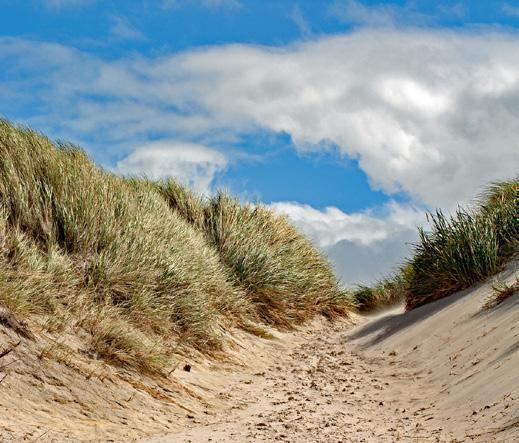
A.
x: 143, y: 267
x: 147, y: 268
x: 457, y: 252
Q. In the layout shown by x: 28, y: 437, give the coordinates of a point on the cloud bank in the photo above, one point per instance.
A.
x: 363, y: 246
x: 428, y: 113
x: 434, y: 115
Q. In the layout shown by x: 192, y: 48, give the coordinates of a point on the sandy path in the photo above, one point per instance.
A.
x: 320, y: 390
x: 445, y: 372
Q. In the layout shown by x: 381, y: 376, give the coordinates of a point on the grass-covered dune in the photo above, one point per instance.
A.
x: 455, y: 253
x: 145, y: 267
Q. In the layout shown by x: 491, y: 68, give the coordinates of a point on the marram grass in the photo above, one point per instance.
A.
x: 455, y: 253
x: 145, y: 267
x: 465, y: 248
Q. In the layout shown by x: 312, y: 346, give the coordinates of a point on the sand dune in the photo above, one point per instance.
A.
x: 445, y: 372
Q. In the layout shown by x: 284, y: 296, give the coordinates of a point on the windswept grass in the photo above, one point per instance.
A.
x: 502, y: 291
x: 144, y: 267
x: 466, y: 248
x: 386, y: 292
x: 455, y: 253
x: 285, y: 278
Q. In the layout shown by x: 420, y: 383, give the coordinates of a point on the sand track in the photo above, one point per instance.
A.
x: 322, y: 392
x: 446, y: 372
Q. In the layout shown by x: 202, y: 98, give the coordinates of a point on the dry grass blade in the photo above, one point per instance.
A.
x: 502, y: 291
x: 144, y: 267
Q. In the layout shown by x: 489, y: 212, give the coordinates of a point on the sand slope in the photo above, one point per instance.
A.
x: 446, y: 372
x: 470, y: 354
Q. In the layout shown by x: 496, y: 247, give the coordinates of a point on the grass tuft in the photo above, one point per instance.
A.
x: 465, y: 248
x: 387, y: 292
x: 502, y: 291
x: 456, y: 252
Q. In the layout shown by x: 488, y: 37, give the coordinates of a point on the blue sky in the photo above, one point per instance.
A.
x: 352, y: 117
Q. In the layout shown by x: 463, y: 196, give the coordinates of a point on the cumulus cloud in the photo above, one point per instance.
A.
x: 191, y: 164
x: 429, y: 113
x: 356, y: 264
x: 363, y: 246
x: 331, y: 225
x: 432, y: 114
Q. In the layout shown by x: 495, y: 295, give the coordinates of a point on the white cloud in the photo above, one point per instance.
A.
x: 191, y: 164
x: 434, y: 114
x: 363, y: 246
x: 331, y: 225
x: 123, y: 29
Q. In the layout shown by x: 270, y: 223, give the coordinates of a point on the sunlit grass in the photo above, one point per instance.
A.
x: 145, y: 267
x: 465, y: 248
x: 456, y: 252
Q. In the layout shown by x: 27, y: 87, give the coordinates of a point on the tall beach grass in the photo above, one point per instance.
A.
x: 454, y: 253
x: 145, y: 267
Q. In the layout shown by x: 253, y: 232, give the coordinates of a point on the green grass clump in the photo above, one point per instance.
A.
x: 286, y: 279
x: 465, y: 248
x: 386, y: 292
x: 144, y: 267
x: 455, y: 253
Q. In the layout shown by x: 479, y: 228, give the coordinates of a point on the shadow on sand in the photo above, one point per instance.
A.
x: 387, y: 325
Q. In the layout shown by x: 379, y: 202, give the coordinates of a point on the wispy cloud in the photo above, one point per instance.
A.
x: 456, y: 10
x: 212, y: 4
x: 124, y: 30
x: 61, y: 4
x: 354, y: 12
x: 511, y: 10
x: 383, y: 14
x: 296, y: 15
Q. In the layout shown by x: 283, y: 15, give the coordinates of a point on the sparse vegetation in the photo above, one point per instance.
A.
x: 502, y: 291
x: 145, y: 267
x: 388, y: 291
